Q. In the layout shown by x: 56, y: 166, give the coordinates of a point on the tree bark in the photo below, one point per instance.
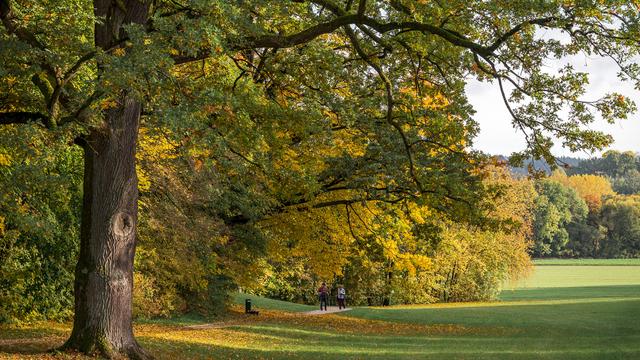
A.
x: 104, y: 273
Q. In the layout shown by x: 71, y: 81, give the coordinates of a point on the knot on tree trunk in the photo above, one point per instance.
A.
x: 122, y: 224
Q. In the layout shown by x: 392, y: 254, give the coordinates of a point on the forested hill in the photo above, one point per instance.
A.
x: 622, y: 169
x: 541, y: 164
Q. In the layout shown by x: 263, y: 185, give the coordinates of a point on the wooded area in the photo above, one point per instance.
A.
x: 268, y: 145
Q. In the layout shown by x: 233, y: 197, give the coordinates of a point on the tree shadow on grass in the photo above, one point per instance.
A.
x: 369, y: 347
x: 30, y: 340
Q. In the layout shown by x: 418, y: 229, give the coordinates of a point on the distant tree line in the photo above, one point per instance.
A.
x: 590, y: 210
x: 622, y: 169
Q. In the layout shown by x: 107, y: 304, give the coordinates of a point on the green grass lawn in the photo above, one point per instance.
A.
x: 592, y: 315
x: 258, y: 303
x: 594, y: 262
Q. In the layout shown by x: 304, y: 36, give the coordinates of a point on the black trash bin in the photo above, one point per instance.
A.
x: 247, y: 306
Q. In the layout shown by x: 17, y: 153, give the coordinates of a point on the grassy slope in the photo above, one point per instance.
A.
x: 260, y: 303
x: 558, y: 331
x: 546, y: 322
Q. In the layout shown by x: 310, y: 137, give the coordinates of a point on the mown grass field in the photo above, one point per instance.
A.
x: 592, y: 262
x: 561, y: 312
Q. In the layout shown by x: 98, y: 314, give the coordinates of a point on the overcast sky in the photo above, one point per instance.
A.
x: 497, y: 135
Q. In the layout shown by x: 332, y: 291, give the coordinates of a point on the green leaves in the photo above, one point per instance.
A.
x: 39, y: 207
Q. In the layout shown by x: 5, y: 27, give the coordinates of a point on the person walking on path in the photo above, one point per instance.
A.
x: 342, y: 295
x: 323, y: 294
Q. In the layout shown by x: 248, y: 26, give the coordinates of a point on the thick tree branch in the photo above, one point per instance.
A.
x: 502, y: 39
x: 69, y: 74
x: 344, y: 19
x: 362, y: 6
x: 279, y: 41
x: 22, y: 117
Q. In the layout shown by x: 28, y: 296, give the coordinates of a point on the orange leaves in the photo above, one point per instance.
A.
x: 108, y: 103
x: 197, y: 164
x: 592, y: 188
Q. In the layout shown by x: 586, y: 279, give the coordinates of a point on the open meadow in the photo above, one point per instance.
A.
x: 560, y: 312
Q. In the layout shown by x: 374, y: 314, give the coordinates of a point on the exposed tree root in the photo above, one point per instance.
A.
x: 103, y: 349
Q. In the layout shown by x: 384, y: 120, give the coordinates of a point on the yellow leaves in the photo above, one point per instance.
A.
x: 433, y: 100
x: 412, y: 263
x: 418, y: 213
x: 516, y: 196
x: 10, y: 80
x: 318, y: 238
x: 345, y: 143
x: 144, y: 182
x: 334, y: 38
x: 5, y: 159
x: 408, y: 91
x: 154, y: 148
x: 290, y: 158
x: 342, y: 90
x: 390, y: 247
x: 119, y: 52
x: 2, y: 226
x: 23, y: 207
x: 438, y: 101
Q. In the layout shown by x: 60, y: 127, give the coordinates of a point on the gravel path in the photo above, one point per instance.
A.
x: 330, y: 310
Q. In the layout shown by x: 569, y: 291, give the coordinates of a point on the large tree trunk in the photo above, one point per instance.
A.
x: 104, y: 273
